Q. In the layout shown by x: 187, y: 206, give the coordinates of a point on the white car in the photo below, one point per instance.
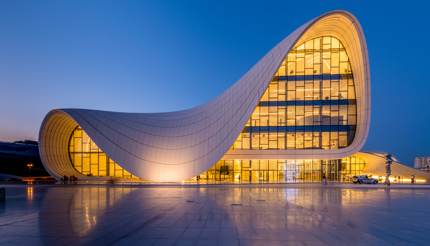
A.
x: 364, y: 179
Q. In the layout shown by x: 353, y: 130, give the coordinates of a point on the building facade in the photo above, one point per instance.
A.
x: 300, y: 114
x: 422, y: 163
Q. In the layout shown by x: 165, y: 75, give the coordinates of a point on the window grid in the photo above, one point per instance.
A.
x: 330, y: 96
x: 88, y: 159
x: 282, y: 171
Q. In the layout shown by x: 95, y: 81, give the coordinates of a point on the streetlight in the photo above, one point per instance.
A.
x: 388, y: 161
x: 29, y: 166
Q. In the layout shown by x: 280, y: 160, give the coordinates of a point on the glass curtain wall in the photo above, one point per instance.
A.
x: 282, y: 171
x: 309, y: 104
x: 88, y: 159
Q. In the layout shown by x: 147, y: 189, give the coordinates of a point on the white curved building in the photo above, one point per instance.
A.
x: 299, y: 114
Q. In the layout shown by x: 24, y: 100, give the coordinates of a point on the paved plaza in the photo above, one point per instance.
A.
x: 215, y: 215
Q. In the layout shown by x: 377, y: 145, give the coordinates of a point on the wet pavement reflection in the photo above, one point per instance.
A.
x: 215, y: 215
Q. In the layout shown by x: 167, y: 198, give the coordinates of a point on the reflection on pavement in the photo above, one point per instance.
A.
x: 87, y: 215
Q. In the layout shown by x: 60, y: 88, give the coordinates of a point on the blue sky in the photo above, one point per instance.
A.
x: 149, y: 56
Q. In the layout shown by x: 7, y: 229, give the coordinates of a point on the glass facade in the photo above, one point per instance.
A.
x: 88, y: 159
x: 282, y: 171
x: 309, y: 104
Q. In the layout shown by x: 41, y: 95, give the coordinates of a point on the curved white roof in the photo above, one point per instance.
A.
x: 178, y: 145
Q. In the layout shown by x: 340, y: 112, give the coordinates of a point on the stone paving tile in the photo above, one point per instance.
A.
x: 134, y: 241
x: 229, y: 242
x: 164, y: 242
x: 234, y: 215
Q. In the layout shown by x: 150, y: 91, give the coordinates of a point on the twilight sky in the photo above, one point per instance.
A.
x: 150, y: 56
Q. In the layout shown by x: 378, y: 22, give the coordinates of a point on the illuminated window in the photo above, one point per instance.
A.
x: 311, y: 95
x: 282, y: 171
x: 88, y: 159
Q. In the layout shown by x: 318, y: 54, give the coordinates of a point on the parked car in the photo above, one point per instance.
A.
x: 364, y: 179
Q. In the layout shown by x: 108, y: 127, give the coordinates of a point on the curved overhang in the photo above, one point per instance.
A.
x: 175, y: 146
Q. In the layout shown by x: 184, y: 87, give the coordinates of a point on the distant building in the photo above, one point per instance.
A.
x: 21, y: 158
x: 422, y: 163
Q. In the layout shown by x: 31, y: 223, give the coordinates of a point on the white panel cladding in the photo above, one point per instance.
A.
x: 178, y: 145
